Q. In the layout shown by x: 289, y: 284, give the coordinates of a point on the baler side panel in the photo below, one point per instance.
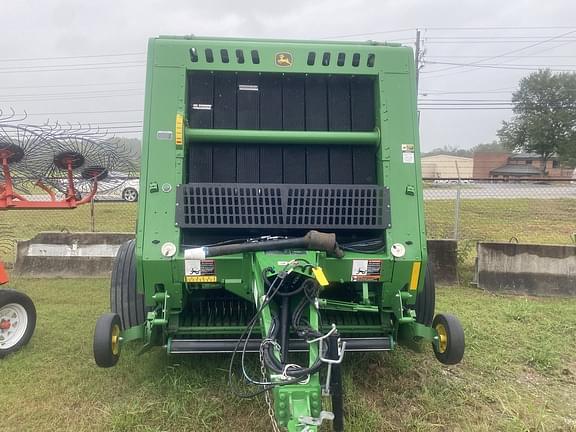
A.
x: 400, y: 169
x: 162, y: 171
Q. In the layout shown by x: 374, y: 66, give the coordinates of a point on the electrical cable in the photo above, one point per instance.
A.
x: 365, y: 246
x: 554, y: 38
x: 295, y: 372
x: 246, y: 334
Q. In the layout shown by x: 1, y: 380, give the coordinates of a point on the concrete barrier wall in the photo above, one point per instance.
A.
x: 544, y: 270
x: 56, y: 254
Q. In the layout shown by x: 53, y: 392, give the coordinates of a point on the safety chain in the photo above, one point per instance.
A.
x: 267, y: 395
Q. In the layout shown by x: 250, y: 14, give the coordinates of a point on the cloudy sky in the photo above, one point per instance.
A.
x: 83, y: 61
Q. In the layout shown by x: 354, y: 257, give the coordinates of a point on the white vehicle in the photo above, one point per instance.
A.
x: 130, y: 190
x: 113, y: 187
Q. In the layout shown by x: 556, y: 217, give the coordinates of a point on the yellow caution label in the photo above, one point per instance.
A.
x: 415, y: 275
x: 201, y: 279
x: 179, y: 129
x: 320, y: 276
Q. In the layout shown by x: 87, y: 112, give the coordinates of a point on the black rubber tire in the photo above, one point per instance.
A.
x: 426, y: 299
x: 455, y: 339
x: 103, y: 352
x: 8, y: 296
x: 130, y: 189
x: 125, y: 300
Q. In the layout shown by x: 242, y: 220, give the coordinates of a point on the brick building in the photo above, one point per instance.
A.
x: 484, y: 162
x: 516, y: 165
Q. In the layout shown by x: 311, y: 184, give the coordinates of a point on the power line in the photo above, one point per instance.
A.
x: 499, y: 66
x: 367, y: 34
x: 514, y: 51
x: 450, y: 29
x: 87, y: 92
x: 72, y: 85
x: 70, y: 98
x: 72, y: 65
x: 497, y: 37
x: 502, y: 28
x: 72, y: 69
x: 72, y: 57
x: 490, y: 41
x: 434, y: 92
x: 464, y: 100
x: 519, y: 56
x: 131, y: 123
x: 83, y: 112
x: 464, y: 108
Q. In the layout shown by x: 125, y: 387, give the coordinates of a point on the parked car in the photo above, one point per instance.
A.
x: 130, y: 190
x: 115, y: 186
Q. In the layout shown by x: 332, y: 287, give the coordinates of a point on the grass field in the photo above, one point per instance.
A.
x: 25, y: 224
x: 527, y: 220
x: 518, y: 374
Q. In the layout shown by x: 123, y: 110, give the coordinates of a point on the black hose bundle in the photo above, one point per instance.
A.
x: 313, y: 240
x: 302, y: 327
x: 293, y: 373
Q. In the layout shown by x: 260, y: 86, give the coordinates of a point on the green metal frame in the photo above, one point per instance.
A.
x: 161, y: 279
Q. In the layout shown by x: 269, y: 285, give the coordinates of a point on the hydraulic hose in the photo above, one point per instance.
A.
x: 313, y: 240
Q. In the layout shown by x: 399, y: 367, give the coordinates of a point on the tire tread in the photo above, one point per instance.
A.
x: 124, y: 298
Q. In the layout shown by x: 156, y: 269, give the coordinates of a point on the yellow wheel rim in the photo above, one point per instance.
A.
x: 442, y: 338
x: 115, y: 339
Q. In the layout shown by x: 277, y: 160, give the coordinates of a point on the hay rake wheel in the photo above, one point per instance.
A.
x: 54, y: 159
x: 17, y: 311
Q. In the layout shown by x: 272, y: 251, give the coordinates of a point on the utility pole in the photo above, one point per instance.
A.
x: 417, y: 57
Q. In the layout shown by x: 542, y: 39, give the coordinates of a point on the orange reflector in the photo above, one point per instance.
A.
x: 179, y: 129
x: 415, y: 275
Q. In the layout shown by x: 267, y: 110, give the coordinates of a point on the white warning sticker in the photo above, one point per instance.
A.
x: 408, y: 153
x: 366, y: 270
x: 200, y: 271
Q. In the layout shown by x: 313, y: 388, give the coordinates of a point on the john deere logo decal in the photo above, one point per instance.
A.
x: 284, y: 59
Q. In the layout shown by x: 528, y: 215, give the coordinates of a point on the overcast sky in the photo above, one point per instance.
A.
x: 507, y: 38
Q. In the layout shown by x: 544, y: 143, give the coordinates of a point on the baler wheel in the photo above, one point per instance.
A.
x: 17, y: 320
x: 426, y: 299
x: 449, y: 348
x: 107, y: 340
x: 124, y: 297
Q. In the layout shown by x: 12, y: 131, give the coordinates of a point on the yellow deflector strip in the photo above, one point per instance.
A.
x: 415, y: 275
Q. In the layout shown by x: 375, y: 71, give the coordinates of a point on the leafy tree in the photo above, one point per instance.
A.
x: 449, y: 150
x: 494, y: 146
x: 544, y: 120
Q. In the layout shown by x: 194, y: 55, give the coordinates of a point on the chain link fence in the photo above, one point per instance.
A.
x: 524, y: 211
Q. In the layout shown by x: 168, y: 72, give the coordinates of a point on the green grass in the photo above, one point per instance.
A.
x: 528, y: 220
x: 518, y: 374
x: 25, y: 224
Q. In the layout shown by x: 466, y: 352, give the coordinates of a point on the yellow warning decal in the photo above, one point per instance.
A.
x: 201, y: 279
x: 179, y: 129
x: 320, y: 276
x: 415, y: 275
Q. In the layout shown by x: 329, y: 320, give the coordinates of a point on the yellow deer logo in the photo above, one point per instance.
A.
x: 284, y: 59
